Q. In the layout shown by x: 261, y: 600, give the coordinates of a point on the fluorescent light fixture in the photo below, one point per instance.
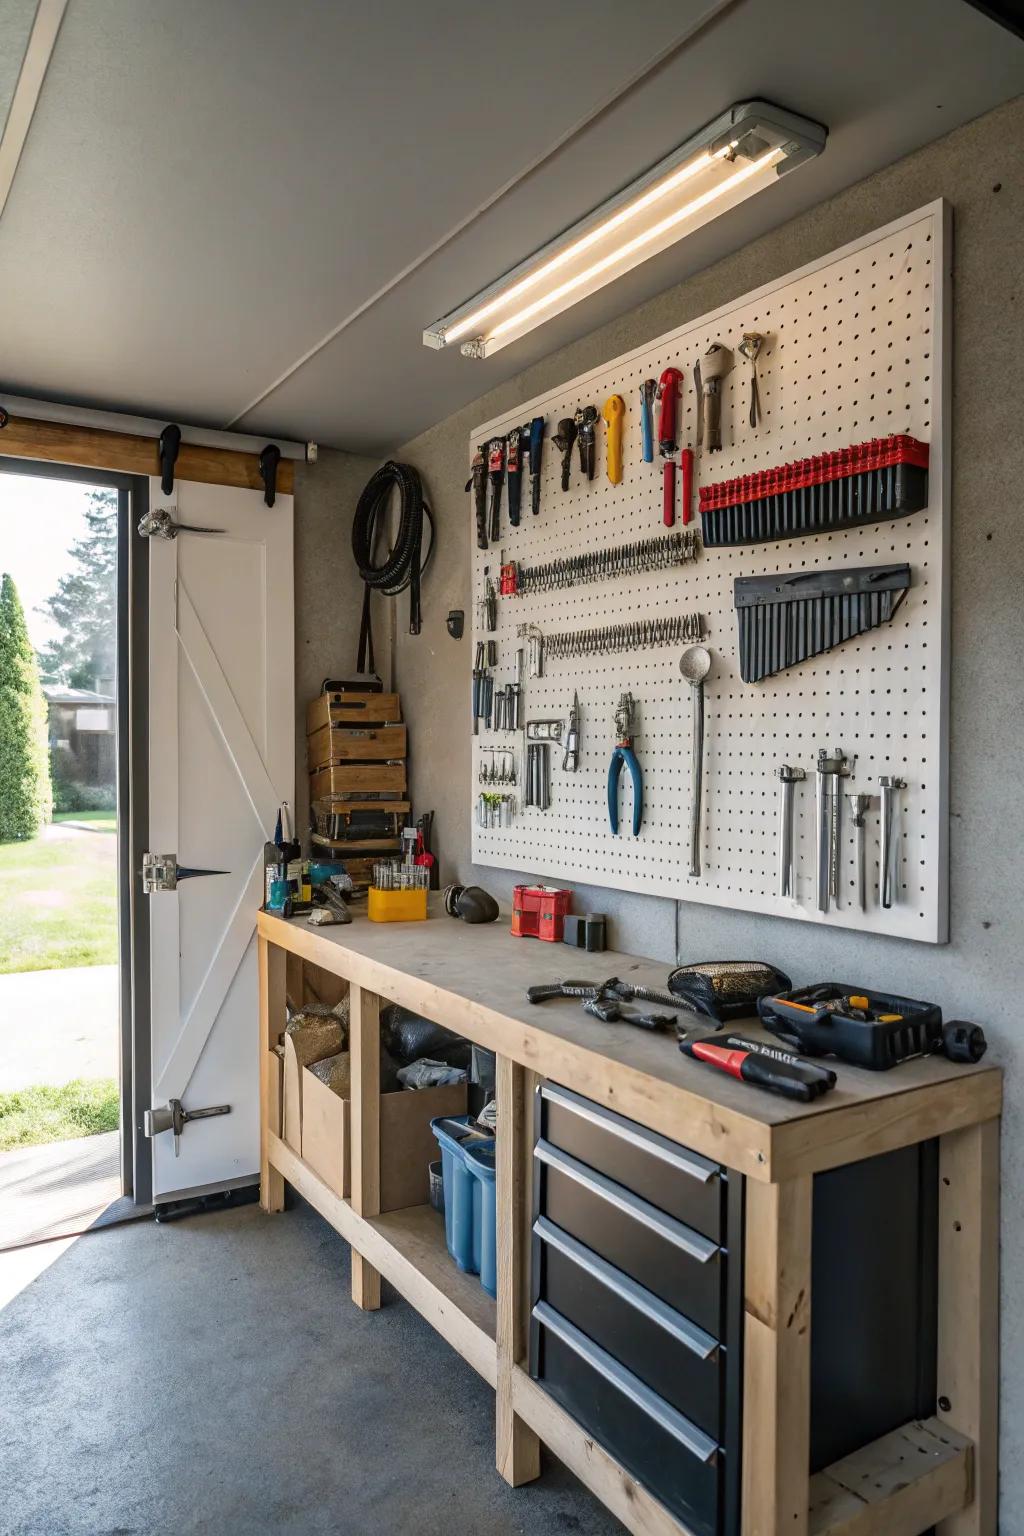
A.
x: 743, y: 150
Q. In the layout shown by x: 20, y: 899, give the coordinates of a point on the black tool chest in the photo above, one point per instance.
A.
x: 637, y: 1291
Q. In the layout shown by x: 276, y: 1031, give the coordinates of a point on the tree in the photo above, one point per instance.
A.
x: 25, y: 796
x: 84, y: 606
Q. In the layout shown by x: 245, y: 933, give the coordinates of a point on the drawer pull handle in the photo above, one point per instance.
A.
x: 699, y: 1248
x: 692, y: 1439
x: 658, y: 1146
x: 629, y: 1290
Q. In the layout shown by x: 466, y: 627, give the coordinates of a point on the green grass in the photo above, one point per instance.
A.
x: 34, y: 1115
x: 58, y: 901
x: 88, y: 818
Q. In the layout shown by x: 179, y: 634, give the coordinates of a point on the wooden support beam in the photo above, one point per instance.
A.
x: 899, y: 1485
x: 968, y: 1364
x: 271, y: 967
x: 777, y: 1359
x: 364, y: 1040
x: 518, y: 1448
x: 55, y: 443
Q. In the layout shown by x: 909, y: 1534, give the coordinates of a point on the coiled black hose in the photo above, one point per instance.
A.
x: 405, y: 562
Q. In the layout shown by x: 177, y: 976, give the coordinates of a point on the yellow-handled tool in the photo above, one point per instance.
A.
x: 613, y: 412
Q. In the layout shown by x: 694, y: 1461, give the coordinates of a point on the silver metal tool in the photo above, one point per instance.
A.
x: 749, y: 348
x: 534, y: 638
x: 889, y: 787
x: 538, y: 776
x: 640, y: 635
x: 788, y: 778
x: 695, y: 664
x: 858, y: 804
x: 634, y: 559
x: 544, y: 730
x: 173, y: 1117
x: 571, y: 760
x: 831, y: 770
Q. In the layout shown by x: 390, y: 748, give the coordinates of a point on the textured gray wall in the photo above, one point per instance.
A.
x: 979, y: 974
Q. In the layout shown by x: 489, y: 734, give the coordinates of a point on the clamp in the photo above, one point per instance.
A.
x: 623, y: 754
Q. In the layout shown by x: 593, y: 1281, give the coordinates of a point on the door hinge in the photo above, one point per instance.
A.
x: 161, y: 872
x: 173, y: 1117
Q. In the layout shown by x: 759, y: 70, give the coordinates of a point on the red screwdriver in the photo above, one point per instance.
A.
x: 793, y: 1079
x: 668, y: 394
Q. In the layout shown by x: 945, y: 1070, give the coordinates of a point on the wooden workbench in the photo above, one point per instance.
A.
x: 473, y: 980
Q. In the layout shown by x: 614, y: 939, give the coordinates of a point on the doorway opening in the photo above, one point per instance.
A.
x: 71, y: 1079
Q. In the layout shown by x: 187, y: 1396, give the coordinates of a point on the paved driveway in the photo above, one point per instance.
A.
x: 58, y: 1025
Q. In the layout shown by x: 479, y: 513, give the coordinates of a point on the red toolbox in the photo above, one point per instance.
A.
x: 538, y: 912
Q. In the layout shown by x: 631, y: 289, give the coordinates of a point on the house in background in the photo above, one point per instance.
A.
x: 81, y: 731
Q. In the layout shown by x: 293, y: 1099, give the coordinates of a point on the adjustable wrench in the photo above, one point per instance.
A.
x: 648, y: 390
x: 668, y: 394
x: 716, y: 364
x: 514, y: 470
x: 563, y: 441
x: 495, y: 473
x: 586, y: 418
x: 535, y: 432
x: 478, y: 482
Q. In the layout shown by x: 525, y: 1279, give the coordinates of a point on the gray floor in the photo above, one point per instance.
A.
x: 213, y: 1376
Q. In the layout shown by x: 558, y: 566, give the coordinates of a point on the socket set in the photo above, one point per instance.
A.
x: 886, y: 477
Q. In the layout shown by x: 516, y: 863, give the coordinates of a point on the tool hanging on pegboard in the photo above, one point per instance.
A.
x: 514, y: 472
x: 477, y: 483
x: 563, y: 441
x: 715, y: 366
x: 785, y: 619
x: 586, y: 439
x: 640, y: 635
x: 612, y: 412
x: 648, y: 390
x: 535, y: 436
x: 668, y: 395
x: 643, y: 555
x: 496, y: 475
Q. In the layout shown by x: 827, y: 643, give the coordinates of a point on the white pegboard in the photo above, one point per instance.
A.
x: 857, y: 348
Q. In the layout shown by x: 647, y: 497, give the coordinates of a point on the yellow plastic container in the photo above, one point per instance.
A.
x: 396, y: 906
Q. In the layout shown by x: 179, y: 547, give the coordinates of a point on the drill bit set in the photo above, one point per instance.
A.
x: 498, y: 768
x: 640, y: 635
x: 635, y: 559
x: 886, y: 477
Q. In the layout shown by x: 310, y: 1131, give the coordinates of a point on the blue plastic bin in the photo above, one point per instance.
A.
x: 480, y: 1163
x: 463, y: 1226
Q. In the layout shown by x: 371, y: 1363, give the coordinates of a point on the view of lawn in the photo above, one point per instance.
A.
x: 58, y: 899
x: 34, y: 1115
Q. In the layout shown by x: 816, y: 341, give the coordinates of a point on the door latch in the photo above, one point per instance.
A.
x: 172, y: 1117
x: 161, y: 872
x: 159, y: 524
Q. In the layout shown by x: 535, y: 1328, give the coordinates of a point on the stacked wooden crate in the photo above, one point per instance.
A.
x: 356, y: 749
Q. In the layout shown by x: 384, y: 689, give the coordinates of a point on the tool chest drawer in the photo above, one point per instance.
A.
x: 677, y: 1263
x: 342, y: 744
x: 677, y: 1461
x: 676, y: 1359
x: 669, y: 1176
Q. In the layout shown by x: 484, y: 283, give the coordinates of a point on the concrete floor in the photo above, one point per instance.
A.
x: 213, y: 1376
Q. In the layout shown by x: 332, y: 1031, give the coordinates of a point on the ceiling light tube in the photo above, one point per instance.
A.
x: 744, y: 149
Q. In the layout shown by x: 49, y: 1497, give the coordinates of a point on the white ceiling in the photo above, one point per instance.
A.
x: 245, y: 213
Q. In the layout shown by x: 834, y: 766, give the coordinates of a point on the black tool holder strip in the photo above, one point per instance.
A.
x: 785, y: 619
x: 858, y: 486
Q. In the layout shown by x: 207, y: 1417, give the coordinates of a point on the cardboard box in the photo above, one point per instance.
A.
x: 299, y: 1052
x: 407, y: 1144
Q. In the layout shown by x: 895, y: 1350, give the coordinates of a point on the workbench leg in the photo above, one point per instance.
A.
x: 968, y: 1365
x: 364, y: 1026
x: 517, y: 1448
x: 271, y: 969
x: 777, y: 1358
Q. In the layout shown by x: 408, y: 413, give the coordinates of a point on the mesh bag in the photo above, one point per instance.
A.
x: 726, y: 989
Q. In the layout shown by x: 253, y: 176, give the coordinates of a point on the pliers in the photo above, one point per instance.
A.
x: 624, y: 754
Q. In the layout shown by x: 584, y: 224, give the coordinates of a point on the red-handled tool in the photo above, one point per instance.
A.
x: 792, y: 1079
x: 668, y: 394
x: 686, y: 460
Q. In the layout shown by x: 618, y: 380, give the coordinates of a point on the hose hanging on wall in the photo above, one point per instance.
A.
x: 405, y: 562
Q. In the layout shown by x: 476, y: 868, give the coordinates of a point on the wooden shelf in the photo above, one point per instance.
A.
x: 408, y: 1249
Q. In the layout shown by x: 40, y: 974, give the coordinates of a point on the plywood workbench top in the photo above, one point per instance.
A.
x: 473, y: 979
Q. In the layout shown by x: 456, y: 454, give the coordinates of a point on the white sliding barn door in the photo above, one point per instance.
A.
x: 221, y: 760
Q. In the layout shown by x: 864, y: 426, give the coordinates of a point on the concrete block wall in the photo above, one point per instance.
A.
x: 979, y: 974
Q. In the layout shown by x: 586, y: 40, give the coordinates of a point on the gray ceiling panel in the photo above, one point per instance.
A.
x: 208, y: 189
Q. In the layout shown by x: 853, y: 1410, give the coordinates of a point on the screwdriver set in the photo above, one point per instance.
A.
x: 886, y: 477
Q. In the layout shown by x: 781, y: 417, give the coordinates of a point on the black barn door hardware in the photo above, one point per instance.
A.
x: 168, y: 446
x: 787, y: 618
x: 161, y: 872
x: 269, y: 459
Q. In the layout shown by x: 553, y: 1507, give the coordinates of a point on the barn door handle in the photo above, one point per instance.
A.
x: 159, y: 524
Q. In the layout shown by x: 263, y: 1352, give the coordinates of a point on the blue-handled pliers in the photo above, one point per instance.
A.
x: 624, y: 754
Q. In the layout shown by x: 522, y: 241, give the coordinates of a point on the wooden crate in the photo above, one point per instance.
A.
x: 341, y: 744
x: 382, y: 778
x: 379, y: 846
x: 352, y: 709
